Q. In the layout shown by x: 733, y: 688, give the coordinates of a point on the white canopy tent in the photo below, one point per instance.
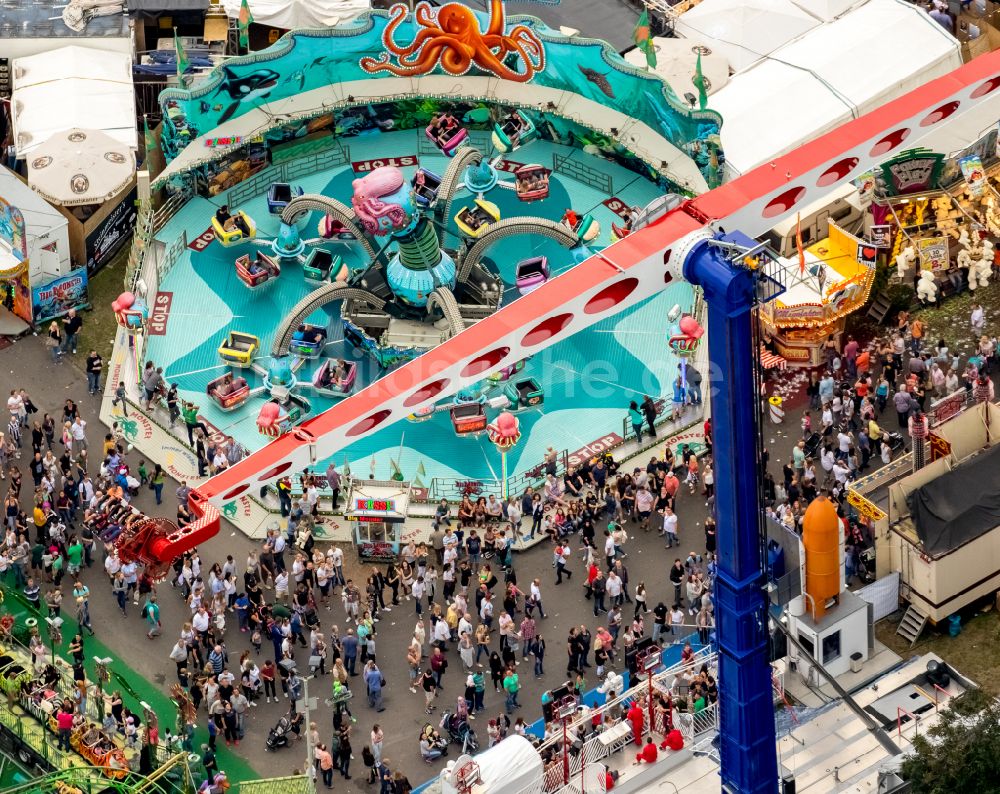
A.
x: 836, y: 72
x: 506, y: 768
x: 289, y: 14
x: 72, y: 87
x: 744, y: 31
x: 828, y: 10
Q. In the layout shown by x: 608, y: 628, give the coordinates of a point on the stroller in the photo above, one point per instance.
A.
x: 278, y: 735
x: 459, y: 731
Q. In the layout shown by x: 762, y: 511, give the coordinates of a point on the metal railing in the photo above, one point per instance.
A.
x: 295, y: 784
x: 257, y: 184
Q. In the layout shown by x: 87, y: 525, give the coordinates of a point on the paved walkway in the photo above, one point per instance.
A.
x: 26, y: 365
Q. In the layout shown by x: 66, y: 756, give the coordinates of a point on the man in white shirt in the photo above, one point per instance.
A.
x: 200, y: 622
x: 78, y: 431
x: 441, y: 634
x: 676, y: 622
x: 536, y: 598
x: 843, y: 444
x: 613, y: 586
x: 486, y: 611
x: 15, y: 404
x: 418, y: 590
x: 670, y: 527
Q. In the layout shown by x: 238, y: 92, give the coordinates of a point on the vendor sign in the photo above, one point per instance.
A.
x: 933, y: 252
x: 974, y: 173
x: 881, y: 235
x: 867, y: 253
x: 58, y: 297
x: 866, y: 188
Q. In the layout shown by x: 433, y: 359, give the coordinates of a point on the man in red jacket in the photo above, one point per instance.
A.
x: 649, y: 753
x: 634, y: 716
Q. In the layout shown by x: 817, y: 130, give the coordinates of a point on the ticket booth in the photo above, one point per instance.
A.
x: 377, y: 510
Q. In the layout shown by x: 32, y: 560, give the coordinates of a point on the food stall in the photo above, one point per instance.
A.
x: 835, y: 281
x: 377, y: 509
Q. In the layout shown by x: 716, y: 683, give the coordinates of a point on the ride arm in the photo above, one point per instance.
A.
x: 563, y: 306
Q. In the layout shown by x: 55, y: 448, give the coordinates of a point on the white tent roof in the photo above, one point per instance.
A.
x: 40, y: 217
x: 743, y: 31
x: 72, y: 61
x: 291, y: 14
x: 72, y: 87
x: 508, y: 767
x: 828, y: 9
x: 877, y: 52
x: 841, y: 70
x: 766, y: 111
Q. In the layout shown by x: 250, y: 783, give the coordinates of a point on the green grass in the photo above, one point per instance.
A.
x: 949, y: 319
x: 973, y: 652
x: 99, y: 326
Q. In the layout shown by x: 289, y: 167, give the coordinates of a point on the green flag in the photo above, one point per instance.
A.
x: 149, y: 142
x: 397, y: 473
x: 245, y: 21
x: 643, y: 38
x: 183, y: 64
x: 699, y: 83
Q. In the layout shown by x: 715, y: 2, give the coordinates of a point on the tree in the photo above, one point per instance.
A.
x: 961, y: 751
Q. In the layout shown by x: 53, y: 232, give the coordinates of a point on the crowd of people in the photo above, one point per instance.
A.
x: 861, y: 406
x: 258, y: 626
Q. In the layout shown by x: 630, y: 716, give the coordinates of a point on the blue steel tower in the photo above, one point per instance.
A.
x: 746, y: 721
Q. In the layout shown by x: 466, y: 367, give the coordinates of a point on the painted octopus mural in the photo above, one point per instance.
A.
x: 450, y: 37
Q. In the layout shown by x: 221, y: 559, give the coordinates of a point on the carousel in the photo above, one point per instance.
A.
x: 826, y: 285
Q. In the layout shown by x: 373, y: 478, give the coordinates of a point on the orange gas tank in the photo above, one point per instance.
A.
x: 821, y: 539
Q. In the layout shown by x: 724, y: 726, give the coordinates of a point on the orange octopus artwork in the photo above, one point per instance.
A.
x: 450, y: 36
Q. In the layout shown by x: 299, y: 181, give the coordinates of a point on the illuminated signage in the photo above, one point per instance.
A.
x: 375, y: 505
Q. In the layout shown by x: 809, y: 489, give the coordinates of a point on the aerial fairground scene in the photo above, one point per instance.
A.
x: 499, y: 396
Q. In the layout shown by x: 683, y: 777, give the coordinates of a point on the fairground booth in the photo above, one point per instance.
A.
x: 377, y: 510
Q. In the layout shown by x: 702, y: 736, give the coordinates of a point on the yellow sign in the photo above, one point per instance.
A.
x: 933, y: 253
x: 863, y: 506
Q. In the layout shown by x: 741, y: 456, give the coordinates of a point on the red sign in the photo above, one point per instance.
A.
x: 159, y: 313
x: 947, y: 407
x: 594, y: 448
x: 202, y: 241
x: 510, y: 166
x: 618, y: 207
x: 363, y: 166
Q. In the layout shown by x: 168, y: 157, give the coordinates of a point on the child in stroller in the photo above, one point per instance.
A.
x: 459, y: 731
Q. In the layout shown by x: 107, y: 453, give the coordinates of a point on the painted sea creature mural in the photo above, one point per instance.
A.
x: 256, y: 85
x: 598, y: 79
x: 450, y: 37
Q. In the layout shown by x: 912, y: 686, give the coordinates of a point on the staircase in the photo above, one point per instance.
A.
x: 912, y: 624
x: 879, y: 307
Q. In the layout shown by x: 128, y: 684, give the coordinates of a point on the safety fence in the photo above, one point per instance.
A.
x: 581, y: 172
x: 454, y: 490
x: 295, y: 784
x: 585, y: 749
x: 285, y: 172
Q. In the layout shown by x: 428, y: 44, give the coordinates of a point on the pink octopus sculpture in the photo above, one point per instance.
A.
x: 685, y: 339
x: 377, y: 215
x: 504, y: 431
